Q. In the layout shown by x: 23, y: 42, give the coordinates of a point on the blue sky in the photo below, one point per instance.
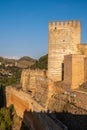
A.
x: 24, y: 24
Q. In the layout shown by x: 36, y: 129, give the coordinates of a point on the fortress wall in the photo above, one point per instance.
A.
x: 73, y: 70
x: 71, y: 101
x: 83, y: 49
x: 22, y: 101
x: 41, y: 92
x: 77, y: 70
x: 81, y: 99
x: 30, y: 111
x: 63, y: 39
x: 68, y: 70
x: 29, y: 78
x: 85, y: 69
x: 19, y: 105
x: 25, y: 78
x: 35, y: 81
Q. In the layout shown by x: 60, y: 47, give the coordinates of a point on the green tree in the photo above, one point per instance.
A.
x: 41, y: 63
x: 5, y: 119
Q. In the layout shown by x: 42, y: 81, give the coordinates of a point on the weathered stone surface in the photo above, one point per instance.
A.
x: 83, y: 49
x: 85, y: 69
x: 73, y: 70
x: 41, y: 93
x: 63, y: 39
x: 21, y: 100
x: 29, y: 78
x: 81, y: 99
x: 74, y: 102
x: 33, y: 114
x: 36, y: 82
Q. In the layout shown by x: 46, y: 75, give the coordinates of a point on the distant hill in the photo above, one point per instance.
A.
x: 23, y: 62
x: 41, y: 63
x: 26, y: 62
x: 26, y: 58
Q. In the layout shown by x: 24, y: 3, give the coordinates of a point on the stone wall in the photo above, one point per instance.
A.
x: 41, y: 92
x: 85, y: 69
x: 22, y: 101
x: 83, y: 49
x: 29, y: 79
x: 32, y: 113
x: 81, y: 99
x: 25, y: 78
x: 36, y: 82
x: 73, y: 70
x: 25, y: 102
x: 74, y: 102
x: 63, y: 39
x: 68, y: 70
x: 36, y: 116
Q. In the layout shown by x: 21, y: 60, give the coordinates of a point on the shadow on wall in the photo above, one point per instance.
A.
x: 50, y: 121
x: 62, y: 71
x: 2, y: 96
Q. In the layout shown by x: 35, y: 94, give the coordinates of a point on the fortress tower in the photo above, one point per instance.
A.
x: 64, y: 38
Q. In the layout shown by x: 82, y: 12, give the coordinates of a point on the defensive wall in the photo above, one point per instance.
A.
x: 53, y: 98
x: 36, y: 82
x: 74, y: 71
x: 83, y: 49
x: 29, y: 109
x: 35, y: 114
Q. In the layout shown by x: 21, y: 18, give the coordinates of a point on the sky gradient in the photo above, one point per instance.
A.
x: 24, y: 24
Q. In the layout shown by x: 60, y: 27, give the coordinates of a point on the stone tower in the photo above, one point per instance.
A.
x: 64, y: 38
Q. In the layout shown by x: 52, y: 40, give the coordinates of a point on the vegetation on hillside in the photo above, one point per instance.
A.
x: 41, y: 63
x: 9, y: 75
x: 1, y: 59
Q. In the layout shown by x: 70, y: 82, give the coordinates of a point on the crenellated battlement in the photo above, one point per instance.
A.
x: 63, y: 24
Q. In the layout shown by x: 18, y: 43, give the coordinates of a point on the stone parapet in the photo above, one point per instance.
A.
x: 64, y: 24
